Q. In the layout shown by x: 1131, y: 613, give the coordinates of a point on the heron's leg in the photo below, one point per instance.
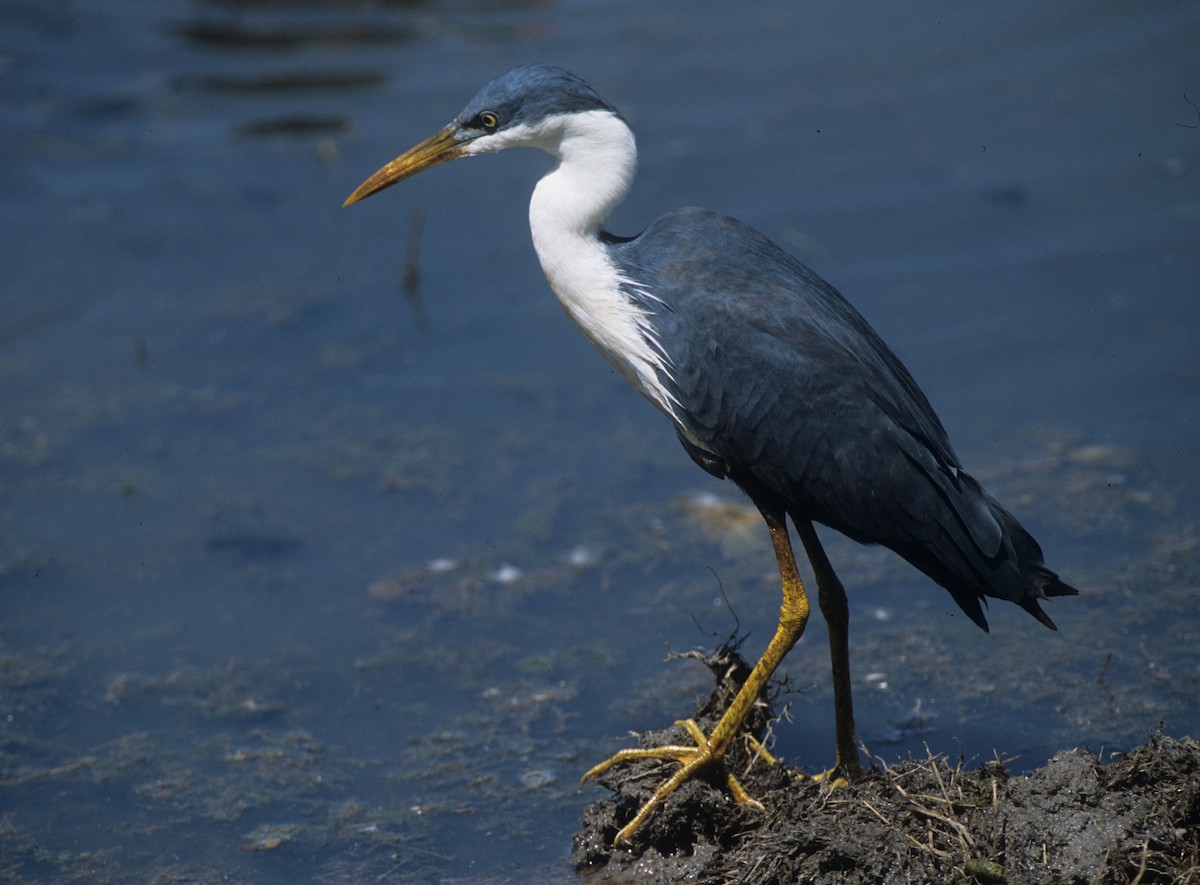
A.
x: 832, y: 598
x: 709, y: 751
x: 793, y: 616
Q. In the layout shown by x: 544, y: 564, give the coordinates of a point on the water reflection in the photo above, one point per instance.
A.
x: 286, y: 33
x: 292, y: 81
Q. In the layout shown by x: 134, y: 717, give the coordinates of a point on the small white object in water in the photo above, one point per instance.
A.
x: 877, y: 679
x: 582, y: 557
x: 537, y: 778
x: 506, y: 574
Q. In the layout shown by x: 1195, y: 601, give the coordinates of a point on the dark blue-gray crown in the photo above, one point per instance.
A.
x: 530, y: 93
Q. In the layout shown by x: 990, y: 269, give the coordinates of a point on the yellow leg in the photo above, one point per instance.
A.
x: 836, y: 610
x: 710, y: 751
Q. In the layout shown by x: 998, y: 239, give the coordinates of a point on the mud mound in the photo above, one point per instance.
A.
x: 1076, y: 820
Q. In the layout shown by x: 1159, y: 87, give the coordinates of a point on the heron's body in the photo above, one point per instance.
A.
x: 811, y: 375
x: 769, y: 376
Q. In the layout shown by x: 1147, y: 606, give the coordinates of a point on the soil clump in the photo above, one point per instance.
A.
x: 1132, y: 819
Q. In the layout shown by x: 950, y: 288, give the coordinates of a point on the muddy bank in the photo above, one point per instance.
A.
x: 1134, y: 817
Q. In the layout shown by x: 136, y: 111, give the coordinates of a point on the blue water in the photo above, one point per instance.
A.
x: 292, y: 561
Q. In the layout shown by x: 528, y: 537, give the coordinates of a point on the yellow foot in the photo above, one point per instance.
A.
x: 838, y: 776
x: 691, y: 759
x: 760, y: 751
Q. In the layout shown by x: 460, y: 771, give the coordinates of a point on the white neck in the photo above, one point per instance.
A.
x: 597, y: 157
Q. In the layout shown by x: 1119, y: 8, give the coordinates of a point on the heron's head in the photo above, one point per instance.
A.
x: 519, y: 108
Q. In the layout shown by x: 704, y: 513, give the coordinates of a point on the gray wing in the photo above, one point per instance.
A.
x: 783, y: 380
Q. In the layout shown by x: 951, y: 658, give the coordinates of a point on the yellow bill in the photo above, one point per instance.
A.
x: 434, y: 150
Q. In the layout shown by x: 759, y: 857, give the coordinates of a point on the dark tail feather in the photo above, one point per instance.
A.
x: 1044, y: 583
x: 1015, y: 572
x: 1040, y: 582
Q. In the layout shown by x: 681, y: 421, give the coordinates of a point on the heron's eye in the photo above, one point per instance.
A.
x: 489, y: 121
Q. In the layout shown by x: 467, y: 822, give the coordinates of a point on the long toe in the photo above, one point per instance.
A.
x: 695, y: 759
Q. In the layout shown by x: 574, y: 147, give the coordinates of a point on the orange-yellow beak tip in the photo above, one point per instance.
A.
x: 435, y: 150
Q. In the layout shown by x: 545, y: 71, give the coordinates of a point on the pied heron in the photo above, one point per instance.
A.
x: 768, y: 376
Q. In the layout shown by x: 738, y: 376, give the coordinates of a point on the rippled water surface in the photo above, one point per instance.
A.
x: 329, y: 551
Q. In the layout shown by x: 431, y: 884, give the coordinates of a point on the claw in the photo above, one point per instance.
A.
x: 692, y: 759
x: 709, y: 750
x: 839, y: 776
